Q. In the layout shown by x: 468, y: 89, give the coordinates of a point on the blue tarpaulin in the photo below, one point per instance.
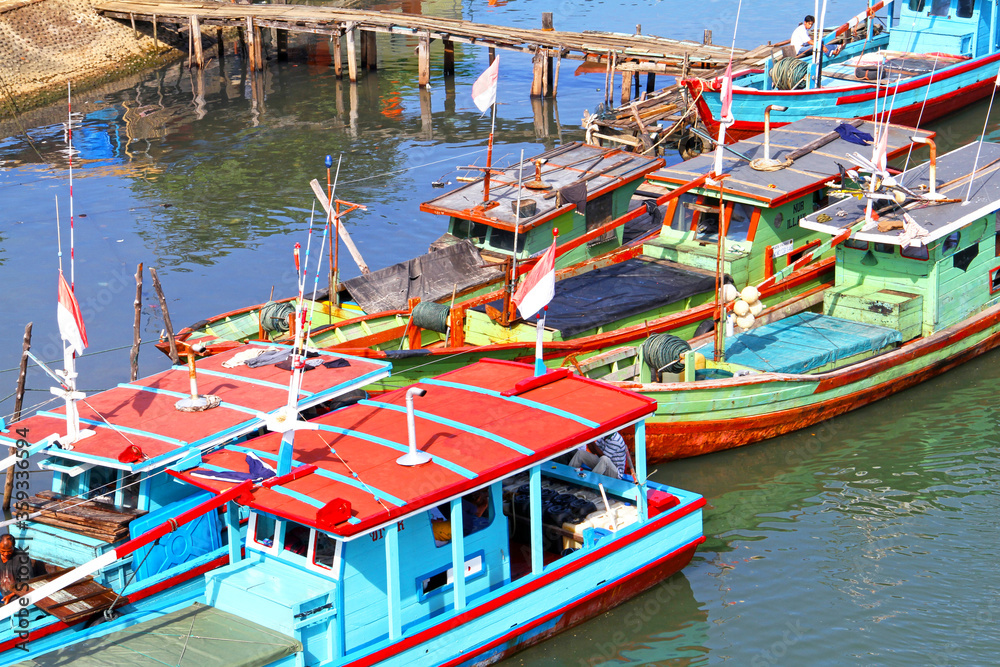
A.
x: 804, y: 342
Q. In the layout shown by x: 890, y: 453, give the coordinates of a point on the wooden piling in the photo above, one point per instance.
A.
x: 650, y: 83
x: 627, y: 86
x: 199, y: 57
x: 555, y: 78
x: 136, y: 323
x: 708, y: 37
x: 156, y: 39
x: 449, y: 57
x: 242, y: 50
x: 547, y: 21
x: 493, y: 54
x: 549, y: 74
x: 220, y: 45
x: 363, y: 38
x: 338, y: 62
x: 281, y: 39
x: 352, y: 55
x: 372, y: 51
x: 135, y: 33
x: 250, y: 46
x: 424, y: 62
x: 259, y: 44
x: 537, y: 73
x: 166, y: 316
x: 18, y: 404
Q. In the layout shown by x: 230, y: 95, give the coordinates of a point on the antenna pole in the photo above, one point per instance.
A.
x: 69, y: 141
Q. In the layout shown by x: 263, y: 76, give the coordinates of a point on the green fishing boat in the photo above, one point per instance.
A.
x: 605, y: 307
x: 583, y: 191
x: 917, y: 292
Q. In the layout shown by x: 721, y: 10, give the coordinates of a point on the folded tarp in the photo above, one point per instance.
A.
x: 431, y: 277
x: 804, y: 342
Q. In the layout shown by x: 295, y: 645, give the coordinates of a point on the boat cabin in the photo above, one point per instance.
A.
x: 575, y: 188
x: 112, y: 485
x: 918, y: 270
x: 361, y: 553
x: 762, y: 208
x: 965, y: 28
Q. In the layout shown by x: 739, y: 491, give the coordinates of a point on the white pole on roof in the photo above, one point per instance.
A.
x: 979, y: 148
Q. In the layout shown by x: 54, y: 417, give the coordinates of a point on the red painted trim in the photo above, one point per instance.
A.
x: 528, y: 587
x: 921, y: 82
x: 689, y: 547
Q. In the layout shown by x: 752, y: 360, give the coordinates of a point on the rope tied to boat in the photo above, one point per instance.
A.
x: 789, y: 74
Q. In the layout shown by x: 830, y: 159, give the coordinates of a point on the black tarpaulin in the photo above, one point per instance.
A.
x: 604, y: 296
x: 432, y: 276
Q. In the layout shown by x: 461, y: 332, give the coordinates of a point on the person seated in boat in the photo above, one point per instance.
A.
x: 605, y: 456
x: 15, y: 569
x: 802, y: 38
x: 475, y: 516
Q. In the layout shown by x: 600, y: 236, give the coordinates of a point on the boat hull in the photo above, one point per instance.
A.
x: 539, y: 606
x: 914, y: 102
x: 687, y: 421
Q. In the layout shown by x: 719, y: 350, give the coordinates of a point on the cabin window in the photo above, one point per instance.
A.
x: 324, y: 550
x: 504, y: 240
x: 467, y: 229
x: 916, y: 5
x: 739, y: 222
x: 263, y: 530
x: 995, y: 280
x: 915, y: 252
x: 855, y: 244
x: 963, y: 258
x: 821, y: 199
x: 438, y: 580
x: 965, y: 8
x: 296, y: 539
x: 684, y: 215
x: 706, y: 221
x: 477, y: 514
x: 129, y: 490
x: 940, y: 7
x: 102, y: 484
x: 887, y: 248
x: 951, y: 242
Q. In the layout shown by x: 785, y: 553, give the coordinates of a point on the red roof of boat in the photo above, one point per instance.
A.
x: 479, y: 424
x: 142, y: 413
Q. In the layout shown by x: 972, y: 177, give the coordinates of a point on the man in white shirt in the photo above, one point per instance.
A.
x: 802, y: 38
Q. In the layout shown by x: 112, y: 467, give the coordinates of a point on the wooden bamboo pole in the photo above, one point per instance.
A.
x: 338, y: 61
x: 18, y: 404
x: 166, y: 316
x: 136, y: 339
x: 251, y: 47
x: 199, y: 57
x: 352, y: 55
x: 156, y: 39
x: 449, y: 57
x: 424, y: 62
x: 537, y: 73
x: 221, y: 45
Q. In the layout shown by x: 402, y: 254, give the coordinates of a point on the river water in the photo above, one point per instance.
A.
x: 870, y: 539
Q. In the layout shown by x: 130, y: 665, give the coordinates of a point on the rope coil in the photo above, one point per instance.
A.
x: 789, y: 74
x: 274, y: 315
x: 662, y: 352
x: 431, y: 316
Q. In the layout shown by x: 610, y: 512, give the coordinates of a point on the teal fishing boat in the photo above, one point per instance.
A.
x: 432, y: 526
x: 109, y: 454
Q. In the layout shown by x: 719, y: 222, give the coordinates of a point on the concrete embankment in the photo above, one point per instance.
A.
x: 45, y: 43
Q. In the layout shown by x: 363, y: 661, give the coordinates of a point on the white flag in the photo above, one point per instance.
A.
x: 70, y: 320
x: 539, y: 287
x: 484, y: 90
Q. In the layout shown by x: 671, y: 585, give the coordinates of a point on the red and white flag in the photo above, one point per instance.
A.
x: 539, y: 287
x: 70, y: 320
x: 484, y: 90
x: 879, y: 158
x: 726, y: 116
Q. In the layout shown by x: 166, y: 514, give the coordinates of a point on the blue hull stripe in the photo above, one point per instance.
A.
x: 437, y: 419
x: 178, y: 394
x: 350, y: 481
x: 116, y: 427
x: 444, y: 463
x: 534, y: 405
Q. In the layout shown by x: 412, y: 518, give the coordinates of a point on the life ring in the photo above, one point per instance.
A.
x: 690, y: 145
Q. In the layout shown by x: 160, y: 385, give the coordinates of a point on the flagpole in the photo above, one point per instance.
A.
x: 509, y: 290
x: 69, y: 141
x: 975, y: 163
x: 489, y: 156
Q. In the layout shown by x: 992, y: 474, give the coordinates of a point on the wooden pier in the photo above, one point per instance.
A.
x: 353, y: 32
